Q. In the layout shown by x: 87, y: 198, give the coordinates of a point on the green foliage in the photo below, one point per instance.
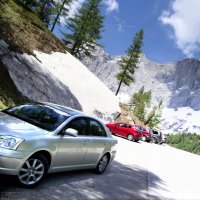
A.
x: 61, y: 9
x: 7, y: 99
x: 128, y: 62
x: 44, y: 10
x: 22, y: 29
x: 85, y: 28
x: 187, y: 142
x: 140, y: 104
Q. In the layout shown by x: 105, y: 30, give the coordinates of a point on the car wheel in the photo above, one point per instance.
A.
x: 102, y: 164
x: 154, y: 141
x: 33, y: 171
x: 143, y: 138
x: 130, y: 137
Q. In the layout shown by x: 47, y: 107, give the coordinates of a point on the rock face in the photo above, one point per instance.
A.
x: 57, y: 78
x: 177, y: 84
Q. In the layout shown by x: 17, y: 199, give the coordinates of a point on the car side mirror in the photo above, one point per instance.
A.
x: 71, y: 132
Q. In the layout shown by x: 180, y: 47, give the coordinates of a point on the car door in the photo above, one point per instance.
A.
x: 120, y: 129
x: 97, y: 142
x: 72, y: 149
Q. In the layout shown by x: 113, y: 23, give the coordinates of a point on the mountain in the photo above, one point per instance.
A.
x: 176, y: 83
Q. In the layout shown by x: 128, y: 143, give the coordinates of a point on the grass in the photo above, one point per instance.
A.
x: 24, y: 31
x: 188, y: 142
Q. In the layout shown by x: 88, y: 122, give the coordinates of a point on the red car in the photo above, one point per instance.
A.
x: 146, y: 135
x: 129, y: 131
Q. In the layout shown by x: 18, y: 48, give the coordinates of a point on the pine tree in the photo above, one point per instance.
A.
x: 128, y: 62
x: 28, y: 3
x: 153, y: 118
x: 44, y: 10
x: 140, y: 104
x: 61, y: 9
x: 85, y: 28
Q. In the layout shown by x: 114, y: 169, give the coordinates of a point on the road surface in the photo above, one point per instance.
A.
x: 140, y: 171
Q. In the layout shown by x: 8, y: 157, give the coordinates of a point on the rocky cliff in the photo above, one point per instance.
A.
x: 177, y: 84
x: 58, y: 78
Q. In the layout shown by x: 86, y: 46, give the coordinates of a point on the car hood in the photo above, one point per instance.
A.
x: 12, y: 126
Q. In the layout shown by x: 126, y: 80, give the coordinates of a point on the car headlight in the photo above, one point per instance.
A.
x: 10, y: 142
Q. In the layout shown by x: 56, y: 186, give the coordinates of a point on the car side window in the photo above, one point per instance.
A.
x: 121, y: 125
x: 155, y: 132
x: 96, y: 129
x: 79, y: 125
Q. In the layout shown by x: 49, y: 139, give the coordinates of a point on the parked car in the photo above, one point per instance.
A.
x: 41, y: 138
x: 164, y: 137
x: 129, y: 131
x: 146, y: 135
x: 156, y: 136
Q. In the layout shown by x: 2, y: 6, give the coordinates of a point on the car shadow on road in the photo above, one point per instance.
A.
x: 118, y: 182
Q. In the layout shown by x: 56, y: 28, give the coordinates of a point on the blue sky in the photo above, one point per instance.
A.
x: 168, y: 27
x: 171, y: 27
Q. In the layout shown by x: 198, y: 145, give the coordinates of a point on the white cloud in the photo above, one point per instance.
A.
x: 73, y: 8
x: 112, y: 5
x: 183, y: 17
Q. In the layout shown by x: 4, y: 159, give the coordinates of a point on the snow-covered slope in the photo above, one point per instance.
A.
x: 177, y: 84
x: 58, y: 78
x: 91, y: 93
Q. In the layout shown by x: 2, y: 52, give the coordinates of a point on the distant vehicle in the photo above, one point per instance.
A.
x: 164, y: 137
x: 156, y: 136
x: 129, y: 131
x: 146, y: 135
x: 41, y: 138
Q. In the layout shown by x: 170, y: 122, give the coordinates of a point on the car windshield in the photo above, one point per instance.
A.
x: 40, y: 115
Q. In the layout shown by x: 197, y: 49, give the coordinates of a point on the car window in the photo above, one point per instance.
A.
x: 39, y: 115
x: 138, y: 128
x: 79, y: 125
x: 120, y: 124
x: 155, y: 132
x: 96, y: 129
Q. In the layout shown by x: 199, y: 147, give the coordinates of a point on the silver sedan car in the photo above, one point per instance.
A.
x: 41, y: 138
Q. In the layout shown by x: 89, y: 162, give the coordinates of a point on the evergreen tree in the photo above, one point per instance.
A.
x: 29, y: 3
x: 140, y: 104
x: 128, y: 63
x: 44, y: 9
x: 61, y: 9
x: 85, y: 28
x: 153, y: 118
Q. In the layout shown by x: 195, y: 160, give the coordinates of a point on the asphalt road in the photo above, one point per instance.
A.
x: 140, y: 171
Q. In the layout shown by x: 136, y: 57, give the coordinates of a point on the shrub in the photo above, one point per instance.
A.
x: 188, y: 141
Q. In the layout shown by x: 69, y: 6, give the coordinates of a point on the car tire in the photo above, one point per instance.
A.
x: 143, y: 138
x: 102, y: 164
x: 33, y: 171
x: 154, y: 141
x: 130, y: 137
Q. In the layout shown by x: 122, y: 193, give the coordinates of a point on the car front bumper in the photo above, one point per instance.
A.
x: 10, y: 161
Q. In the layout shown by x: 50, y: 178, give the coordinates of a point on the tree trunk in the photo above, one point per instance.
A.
x: 120, y: 83
x: 58, y: 15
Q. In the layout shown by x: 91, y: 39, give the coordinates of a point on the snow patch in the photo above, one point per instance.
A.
x: 91, y: 93
x: 183, y: 119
